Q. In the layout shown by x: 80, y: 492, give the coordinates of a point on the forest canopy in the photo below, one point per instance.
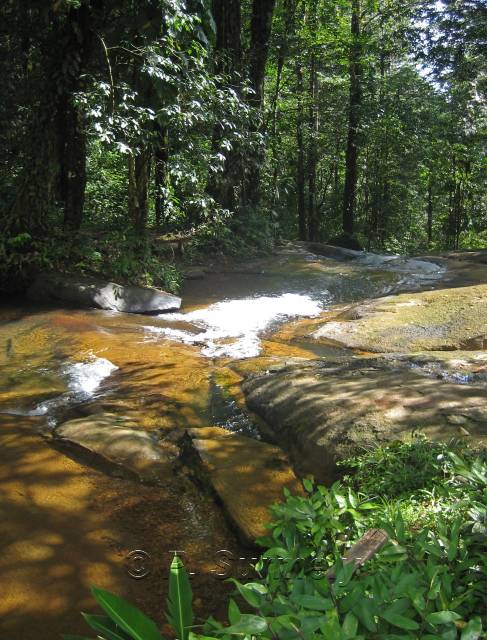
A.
x: 239, y: 122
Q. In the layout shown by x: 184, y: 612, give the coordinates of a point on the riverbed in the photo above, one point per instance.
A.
x: 69, y: 519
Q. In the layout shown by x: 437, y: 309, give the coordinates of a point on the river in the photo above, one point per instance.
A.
x: 165, y: 374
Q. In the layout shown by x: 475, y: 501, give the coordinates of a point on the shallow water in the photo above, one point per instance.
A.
x: 164, y: 374
x: 159, y: 370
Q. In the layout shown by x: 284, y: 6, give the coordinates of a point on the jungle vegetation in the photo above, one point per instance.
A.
x: 237, y: 123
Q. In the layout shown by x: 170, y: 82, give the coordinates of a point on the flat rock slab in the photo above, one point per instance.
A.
x: 446, y: 319
x: 119, y: 441
x: 324, y: 412
x: 86, y: 292
x: 247, y: 475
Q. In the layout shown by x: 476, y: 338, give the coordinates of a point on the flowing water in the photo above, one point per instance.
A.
x: 165, y: 373
x: 161, y: 370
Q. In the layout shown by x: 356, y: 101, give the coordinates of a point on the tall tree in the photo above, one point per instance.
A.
x: 355, y: 101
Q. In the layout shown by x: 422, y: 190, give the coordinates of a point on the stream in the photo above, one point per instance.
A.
x: 164, y: 374
x: 161, y: 369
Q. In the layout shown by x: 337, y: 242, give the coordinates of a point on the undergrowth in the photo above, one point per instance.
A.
x: 427, y: 582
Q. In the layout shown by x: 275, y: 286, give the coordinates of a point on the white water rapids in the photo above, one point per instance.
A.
x: 233, y: 328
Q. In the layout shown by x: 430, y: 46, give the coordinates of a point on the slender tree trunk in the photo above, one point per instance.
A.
x: 313, y: 151
x: 139, y: 172
x: 430, y: 211
x: 283, y: 50
x: 224, y: 186
x: 300, y: 173
x: 161, y: 177
x: 351, y: 159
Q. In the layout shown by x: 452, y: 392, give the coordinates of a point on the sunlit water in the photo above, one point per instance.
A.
x: 233, y: 328
x: 82, y: 379
x: 158, y: 370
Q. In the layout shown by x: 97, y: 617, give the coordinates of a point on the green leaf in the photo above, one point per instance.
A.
x: 105, y: 626
x: 454, y: 537
x: 252, y: 592
x: 180, y: 600
x: 308, y: 485
x: 247, y: 624
x: 400, y: 621
x: 364, y: 614
x: 442, y: 617
x: 350, y: 625
x: 473, y: 629
x: 313, y: 602
x: 233, y: 612
x: 126, y: 616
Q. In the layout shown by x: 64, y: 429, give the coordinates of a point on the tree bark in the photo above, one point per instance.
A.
x: 430, y: 212
x: 73, y: 165
x: 228, y: 46
x: 300, y: 173
x: 313, y: 221
x: 139, y: 172
x: 260, y: 33
x: 224, y: 186
x: 351, y: 158
x: 161, y: 176
x: 72, y: 127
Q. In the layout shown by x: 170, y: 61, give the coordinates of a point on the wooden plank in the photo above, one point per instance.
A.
x: 364, y: 549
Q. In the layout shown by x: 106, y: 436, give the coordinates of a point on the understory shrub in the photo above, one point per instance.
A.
x: 428, y: 584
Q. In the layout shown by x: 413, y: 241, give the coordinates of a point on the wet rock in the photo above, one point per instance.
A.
x: 322, y: 412
x: 120, y: 441
x: 247, y: 475
x: 87, y: 292
x: 446, y: 319
x: 194, y: 273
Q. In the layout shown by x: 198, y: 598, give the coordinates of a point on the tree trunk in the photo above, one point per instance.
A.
x: 72, y: 127
x: 228, y: 46
x: 139, y: 172
x: 73, y: 166
x: 260, y: 33
x: 161, y: 177
x: 54, y: 167
x: 313, y: 152
x: 300, y: 173
x: 224, y: 186
x: 430, y: 211
x: 283, y: 50
x: 351, y: 158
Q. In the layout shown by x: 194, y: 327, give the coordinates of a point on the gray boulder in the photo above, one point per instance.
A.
x: 90, y: 292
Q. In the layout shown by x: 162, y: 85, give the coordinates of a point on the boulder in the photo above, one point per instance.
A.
x: 347, y: 241
x: 441, y: 320
x: 120, y: 442
x: 322, y: 412
x: 88, y: 292
x: 247, y: 475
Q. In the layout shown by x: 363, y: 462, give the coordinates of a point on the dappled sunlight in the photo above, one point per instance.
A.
x: 66, y: 526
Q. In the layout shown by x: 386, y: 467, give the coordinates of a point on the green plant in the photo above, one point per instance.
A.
x: 402, y: 468
x: 123, y: 621
x: 428, y: 585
